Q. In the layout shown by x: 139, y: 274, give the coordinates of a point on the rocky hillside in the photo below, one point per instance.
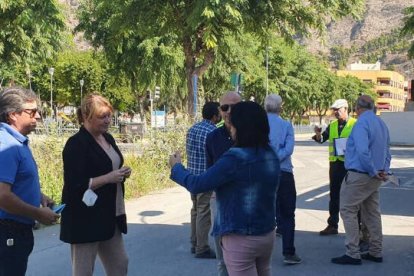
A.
x: 381, y: 18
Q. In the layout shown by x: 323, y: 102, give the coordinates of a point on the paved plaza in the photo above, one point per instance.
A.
x: 158, y: 239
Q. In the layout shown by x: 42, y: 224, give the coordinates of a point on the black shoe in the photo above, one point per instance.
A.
x: 369, y: 257
x: 329, y: 230
x: 345, y: 260
x: 192, y: 250
x: 209, y: 254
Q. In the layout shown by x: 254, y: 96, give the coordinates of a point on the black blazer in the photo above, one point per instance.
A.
x: 83, y: 159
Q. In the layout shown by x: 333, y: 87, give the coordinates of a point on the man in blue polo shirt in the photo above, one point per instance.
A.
x: 367, y: 160
x: 282, y: 140
x: 20, y: 195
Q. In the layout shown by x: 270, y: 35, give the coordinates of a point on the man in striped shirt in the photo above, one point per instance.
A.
x: 196, y: 163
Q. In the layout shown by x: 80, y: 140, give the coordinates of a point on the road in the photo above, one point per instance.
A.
x: 158, y: 238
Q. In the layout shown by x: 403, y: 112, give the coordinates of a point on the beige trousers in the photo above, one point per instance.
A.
x: 360, y: 191
x: 200, y: 221
x: 111, y: 252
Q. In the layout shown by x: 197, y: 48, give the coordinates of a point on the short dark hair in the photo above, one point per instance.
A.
x: 210, y: 109
x: 365, y: 102
x: 251, y: 124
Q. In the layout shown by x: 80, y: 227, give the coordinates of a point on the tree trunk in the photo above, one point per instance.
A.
x: 191, y: 69
x: 190, y: 87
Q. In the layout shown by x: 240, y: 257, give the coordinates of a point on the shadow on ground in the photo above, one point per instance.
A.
x: 396, y: 201
x: 164, y: 250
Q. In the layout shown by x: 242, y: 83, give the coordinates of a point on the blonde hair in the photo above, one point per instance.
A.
x: 93, y: 105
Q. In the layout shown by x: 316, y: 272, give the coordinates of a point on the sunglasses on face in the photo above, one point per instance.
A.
x: 226, y: 107
x: 31, y: 112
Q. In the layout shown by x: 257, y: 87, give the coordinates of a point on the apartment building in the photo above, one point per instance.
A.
x: 389, y: 85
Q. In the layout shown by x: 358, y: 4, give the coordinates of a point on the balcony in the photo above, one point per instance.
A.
x: 383, y: 106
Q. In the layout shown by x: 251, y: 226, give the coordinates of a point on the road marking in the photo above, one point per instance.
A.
x: 409, y: 182
x: 317, y: 196
x: 322, y: 164
x: 401, y: 163
x: 298, y: 164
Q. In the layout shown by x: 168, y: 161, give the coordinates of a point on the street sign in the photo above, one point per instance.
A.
x: 158, y: 119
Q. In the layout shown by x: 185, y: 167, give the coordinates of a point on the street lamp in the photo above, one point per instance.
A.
x: 29, y: 76
x: 51, y: 71
x: 267, y: 69
x: 81, y: 82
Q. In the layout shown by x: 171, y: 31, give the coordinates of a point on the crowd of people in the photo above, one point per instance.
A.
x: 240, y: 177
x: 248, y: 183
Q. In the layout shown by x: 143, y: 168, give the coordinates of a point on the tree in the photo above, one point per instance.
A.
x: 243, y: 56
x: 31, y: 32
x: 146, y: 61
x: 408, y: 28
x: 350, y: 88
x: 72, y: 66
x: 200, y: 27
x: 326, y: 93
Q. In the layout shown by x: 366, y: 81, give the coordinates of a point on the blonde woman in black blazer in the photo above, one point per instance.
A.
x: 92, y: 160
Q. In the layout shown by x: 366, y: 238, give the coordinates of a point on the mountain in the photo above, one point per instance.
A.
x: 375, y: 33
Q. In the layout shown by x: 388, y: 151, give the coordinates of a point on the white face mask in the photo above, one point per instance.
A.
x: 89, y: 197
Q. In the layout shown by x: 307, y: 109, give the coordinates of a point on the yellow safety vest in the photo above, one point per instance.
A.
x: 333, y: 134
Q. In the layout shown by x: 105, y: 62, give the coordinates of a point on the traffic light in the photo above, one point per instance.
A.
x: 157, y: 92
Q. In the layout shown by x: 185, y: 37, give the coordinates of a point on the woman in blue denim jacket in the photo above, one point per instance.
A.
x: 245, y: 179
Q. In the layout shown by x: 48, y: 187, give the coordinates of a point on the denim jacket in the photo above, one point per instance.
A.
x: 245, y: 181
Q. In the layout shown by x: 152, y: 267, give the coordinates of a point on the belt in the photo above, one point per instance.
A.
x: 356, y: 171
x: 16, y: 226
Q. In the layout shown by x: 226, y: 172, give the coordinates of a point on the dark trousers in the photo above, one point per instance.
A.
x: 14, y: 257
x: 337, y: 173
x: 285, y: 211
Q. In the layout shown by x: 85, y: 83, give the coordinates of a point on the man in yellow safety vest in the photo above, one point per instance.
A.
x: 337, y: 133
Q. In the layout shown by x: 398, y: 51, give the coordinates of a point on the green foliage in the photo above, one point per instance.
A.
x: 340, y: 55
x: 31, y: 32
x: 47, y: 151
x: 372, y: 51
x: 145, y: 61
x: 408, y: 28
x: 200, y: 29
x: 300, y: 78
x: 150, y: 171
x: 242, y: 55
x: 351, y: 87
x: 70, y: 67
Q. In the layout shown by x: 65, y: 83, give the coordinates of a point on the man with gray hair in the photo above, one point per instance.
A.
x: 337, y: 130
x: 20, y: 195
x: 367, y: 159
x: 282, y: 140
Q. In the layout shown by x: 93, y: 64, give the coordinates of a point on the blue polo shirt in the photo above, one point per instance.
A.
x: 368, y: 146
x: 282, y: 140
x: 18, y: 168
